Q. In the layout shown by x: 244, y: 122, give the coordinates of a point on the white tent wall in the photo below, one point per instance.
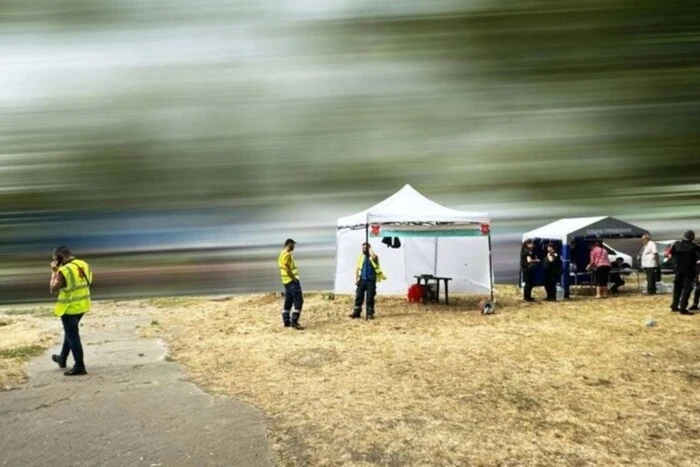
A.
x: 464, y: 259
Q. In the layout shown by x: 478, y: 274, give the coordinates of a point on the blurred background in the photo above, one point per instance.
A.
x: 176, y: 144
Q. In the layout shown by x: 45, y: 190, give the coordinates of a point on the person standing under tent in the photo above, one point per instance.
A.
x: 650, y: 262
x: 686, y: 255
x: 528, y: 264
x: 293, y: 295
x: 552, y: 272
x: 616, y: 276
x: 367, y: 274
x: 599, y: 264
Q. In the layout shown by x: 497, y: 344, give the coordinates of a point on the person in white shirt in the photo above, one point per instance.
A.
x: 650, y: 262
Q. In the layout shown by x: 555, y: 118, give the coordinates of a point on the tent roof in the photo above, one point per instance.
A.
x: 606, y: 227
x: 408, y: 205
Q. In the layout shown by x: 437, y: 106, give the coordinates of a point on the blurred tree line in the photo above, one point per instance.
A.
x: 580, y: 100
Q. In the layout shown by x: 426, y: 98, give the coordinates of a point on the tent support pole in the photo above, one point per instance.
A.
x: 566, y: 266
x: 366, y: 232
x: 436, y: 257
x: 490, y: 268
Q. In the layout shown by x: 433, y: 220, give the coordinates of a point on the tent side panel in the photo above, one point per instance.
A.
x: 466, y: 261
x: 420, y: 259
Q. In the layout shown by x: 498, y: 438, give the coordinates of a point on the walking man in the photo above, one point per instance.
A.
x: 367, y: 274
x: 72, y: 279
x: 650, y: 262
x: 686, y: 255
x: 293, y: 295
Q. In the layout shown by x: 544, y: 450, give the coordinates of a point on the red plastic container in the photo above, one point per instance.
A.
x: 415, y: 293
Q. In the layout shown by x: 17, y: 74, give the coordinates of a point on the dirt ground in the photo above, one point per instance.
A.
x: 579, y: 382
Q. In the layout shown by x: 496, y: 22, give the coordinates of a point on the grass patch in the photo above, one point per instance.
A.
x: 29, y: 311
x: 578, y: 382
x: 24, y: 352
x: 173, y: 302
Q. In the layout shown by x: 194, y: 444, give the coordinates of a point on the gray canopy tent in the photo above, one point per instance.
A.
x: 573, y: 235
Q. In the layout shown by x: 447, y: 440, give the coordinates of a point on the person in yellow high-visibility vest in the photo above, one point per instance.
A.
x: 367, y: 274
x: 293, y: 295
x: 71, y: 278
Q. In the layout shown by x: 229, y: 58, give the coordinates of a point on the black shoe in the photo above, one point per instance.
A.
x: 687, y: 313
x: 75, y: 372
x: 675, y: 309
x: 353, y: 316
x: 297, y: 326
x: 693, y: 308
x: 286, y: 325
x: 57, y: 359
x: 529, y: 299
x: 370, y: 316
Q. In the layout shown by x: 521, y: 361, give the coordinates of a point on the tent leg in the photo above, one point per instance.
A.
x: 366, y: 233
x: 490, y: 268
x: 566, y: 262
x: 435, y: 259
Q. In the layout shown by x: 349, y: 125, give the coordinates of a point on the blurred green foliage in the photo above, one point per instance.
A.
x: 581, y: 101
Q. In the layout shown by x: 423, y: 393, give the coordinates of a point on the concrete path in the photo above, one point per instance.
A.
x: 133, y: 409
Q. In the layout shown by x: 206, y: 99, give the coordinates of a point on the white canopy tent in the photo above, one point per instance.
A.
x: 434, y: 240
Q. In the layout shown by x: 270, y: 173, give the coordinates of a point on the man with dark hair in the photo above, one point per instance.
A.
x: 293, y: 295
x: 552, y: 272
x: 72, y: 279
x: 367, y: 274
x: 616, y: 275
x: 528, y: 264
x: 686, y: 255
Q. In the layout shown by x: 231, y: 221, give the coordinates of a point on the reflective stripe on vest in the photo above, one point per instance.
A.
x: 377, y: 270
x: 74, y: 296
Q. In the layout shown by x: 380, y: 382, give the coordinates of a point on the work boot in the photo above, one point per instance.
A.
x: 687, y: 313
x: 356, y: 313
x: 370, y: 314
x: 75, y: 371
x: 295, y: 321
x: 285, y: 319
x: 58, y: 359
x: 693, y: 307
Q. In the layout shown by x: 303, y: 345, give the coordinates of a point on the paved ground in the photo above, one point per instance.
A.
x: 132, y: 409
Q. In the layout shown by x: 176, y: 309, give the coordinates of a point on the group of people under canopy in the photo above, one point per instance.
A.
x: 440, y: 241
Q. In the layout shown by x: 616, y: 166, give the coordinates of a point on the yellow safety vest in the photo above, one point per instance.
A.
x: 74, y: 296
x: 285, y: 257
x: 375, y: 265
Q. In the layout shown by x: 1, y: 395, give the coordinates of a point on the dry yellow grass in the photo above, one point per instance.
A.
x: 574, y: 383
x: 24, y: 333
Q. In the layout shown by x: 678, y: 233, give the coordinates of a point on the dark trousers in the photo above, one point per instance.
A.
x: 369, y: 288
x: 617, y: 281
x: 293, y: 296
x: 529, y: 280
x: 651, y: 280
x: 71, y: 339
x: 696, y: 296
x: 550, y: 286
x: 682, y: 286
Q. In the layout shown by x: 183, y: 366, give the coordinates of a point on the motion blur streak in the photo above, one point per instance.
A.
x: 176, y: 144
